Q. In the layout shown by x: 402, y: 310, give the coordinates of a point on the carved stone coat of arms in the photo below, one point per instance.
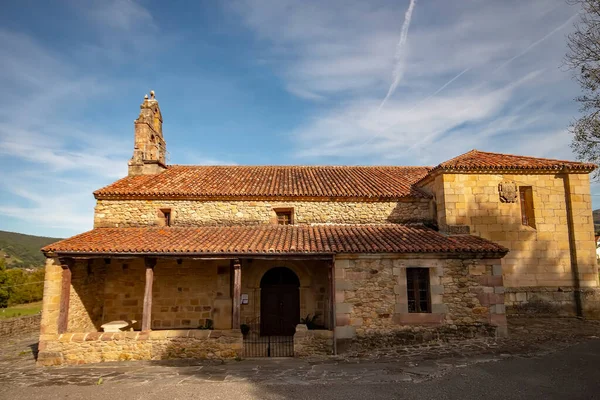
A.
x: 508, y: 191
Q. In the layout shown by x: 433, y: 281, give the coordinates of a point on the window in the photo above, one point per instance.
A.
x: 285, y: 216
x: 527, y: 213
x: 165, y: 216
x: 417, y: 286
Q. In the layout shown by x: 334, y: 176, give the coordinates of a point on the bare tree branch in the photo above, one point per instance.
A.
x: 583, y: 57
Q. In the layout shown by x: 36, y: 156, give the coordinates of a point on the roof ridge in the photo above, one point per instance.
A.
x: 365, y: 182
x: 300, y: 166
x: 512, y: 155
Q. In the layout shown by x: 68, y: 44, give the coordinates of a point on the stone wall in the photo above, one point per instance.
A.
x: 83, y: 348
x: 19, y: 325
x: 186, y: 295
x: 551, y: 301
x: 124, y: 291
x: 467, y: 298
x: 86, y: 303
x: 127, y: 213
x: 312, y: 342
x: 538, y: 257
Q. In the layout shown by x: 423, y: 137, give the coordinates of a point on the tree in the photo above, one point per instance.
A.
x: 583, y: 57
x: 4, y: 285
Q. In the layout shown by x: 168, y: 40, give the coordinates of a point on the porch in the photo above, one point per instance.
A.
x: 183, y: 307
x: 210, y: 291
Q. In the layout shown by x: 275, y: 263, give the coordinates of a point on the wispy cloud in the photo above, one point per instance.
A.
x: 400, y: 53
x: 473, y: 74
x: 55, y: 155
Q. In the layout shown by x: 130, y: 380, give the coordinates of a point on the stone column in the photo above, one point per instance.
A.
x: 65, y: 294
x: 147, y: 316
x: 51, y: 300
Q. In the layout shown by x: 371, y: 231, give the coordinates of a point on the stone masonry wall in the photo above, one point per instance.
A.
x: 19, y: 325
x: 86, y: 302
x: 538, y: 257
x: 467, y: 299
x: 83, y: 348
x: 124, y: 291
x: 312, y: 342
x: 127, y: 213
x: 184, y: 295
x: 551, y: 301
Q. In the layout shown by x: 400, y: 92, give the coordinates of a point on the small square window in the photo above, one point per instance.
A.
x: 165, y: 216
x: 285, y: 216
x: 417, y: 286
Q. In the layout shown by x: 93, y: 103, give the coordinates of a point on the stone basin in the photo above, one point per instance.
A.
x: 117, y: 326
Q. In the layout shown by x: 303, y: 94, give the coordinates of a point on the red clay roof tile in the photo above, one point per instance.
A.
x: 271, y: 182
x: 272, y: 239
x: 476, y: 159
x: 314, y: 182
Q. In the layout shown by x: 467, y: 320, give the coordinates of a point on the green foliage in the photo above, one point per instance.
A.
x: 21, y: 310
x: 311, y: 321
x: 208, y: 325
x: 245, y: 329
x: 18, y: 286
x: 4, y: 285
x: 24, y: 250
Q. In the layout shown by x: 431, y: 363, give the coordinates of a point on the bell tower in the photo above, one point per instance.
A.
x: 150, y: 148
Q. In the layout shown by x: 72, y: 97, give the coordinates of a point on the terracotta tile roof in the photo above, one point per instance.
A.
x: 272, y: 239
x: 475, y: 160
x: 271, y: 182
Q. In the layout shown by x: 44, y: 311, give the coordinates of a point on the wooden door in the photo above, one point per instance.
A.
x: 280, y: 310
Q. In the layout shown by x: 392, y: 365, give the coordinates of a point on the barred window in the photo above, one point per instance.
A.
x: 417, y: 285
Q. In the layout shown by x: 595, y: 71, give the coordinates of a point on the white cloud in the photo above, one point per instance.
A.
x: 476, y: 74
x: 55, y: 157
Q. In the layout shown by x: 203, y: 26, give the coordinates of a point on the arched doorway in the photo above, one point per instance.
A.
x: 279, y: 302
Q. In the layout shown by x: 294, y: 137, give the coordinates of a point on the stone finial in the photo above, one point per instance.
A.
x: 152, y: 95
x: 145, y: 97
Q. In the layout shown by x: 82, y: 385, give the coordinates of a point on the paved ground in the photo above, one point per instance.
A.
x: 549, y: 359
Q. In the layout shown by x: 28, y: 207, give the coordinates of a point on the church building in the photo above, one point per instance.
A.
x: 257, y: 261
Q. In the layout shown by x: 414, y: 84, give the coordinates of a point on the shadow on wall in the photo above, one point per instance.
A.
x: 537, y: 270
x: 412, y: 212
x: 86, y: 306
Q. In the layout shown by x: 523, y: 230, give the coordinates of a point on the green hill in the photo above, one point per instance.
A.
x: 20, y: 251
x: 596, y: 214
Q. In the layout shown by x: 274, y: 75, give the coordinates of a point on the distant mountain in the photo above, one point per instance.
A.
x: 596, y: 214
x: 21, y: 251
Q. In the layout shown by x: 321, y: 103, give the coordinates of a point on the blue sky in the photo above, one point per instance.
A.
x: 268, y: 82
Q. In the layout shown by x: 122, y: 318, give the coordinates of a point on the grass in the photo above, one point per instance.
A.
x: 21, y: 310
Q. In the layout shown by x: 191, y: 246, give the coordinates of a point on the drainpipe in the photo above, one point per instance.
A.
x: 572, y: 243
